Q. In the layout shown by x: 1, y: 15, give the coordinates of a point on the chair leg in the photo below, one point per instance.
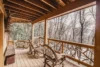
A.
x: 63, y: 64
x: 44, y: 62
x: 53, y: 64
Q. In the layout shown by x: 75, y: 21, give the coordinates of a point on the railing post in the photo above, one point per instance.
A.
x: 39, y: 41
x: 97, y: 36
x: 45, y: 32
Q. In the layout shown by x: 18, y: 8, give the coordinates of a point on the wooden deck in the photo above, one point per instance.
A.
x: 22, y: 60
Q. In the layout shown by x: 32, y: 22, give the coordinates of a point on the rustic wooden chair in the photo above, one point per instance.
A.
x: 51, y: 58
x: 35, y: 51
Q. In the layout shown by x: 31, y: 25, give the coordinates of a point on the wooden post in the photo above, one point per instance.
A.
x: 62, y: 47
x: 39, y: 41
x: 45, y: 32
x: 48, y: 42
x: 1, y: 39
x: 32, y: 33
x: 97, y: 36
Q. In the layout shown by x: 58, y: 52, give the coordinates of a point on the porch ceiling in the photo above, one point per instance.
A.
x: 37, y: 10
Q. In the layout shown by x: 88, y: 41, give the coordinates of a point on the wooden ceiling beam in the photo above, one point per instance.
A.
x: 38, y: 4
x: 49, y: 3
x: 27, y: 5
x: 74, y: 6
x: 18, y: 8
x: 14, y: 14
x: 19, y: 16
x: 25, y: 11
x: 21, y: 8
x: 72, y: 0
x: 21, y: 13
x: 68, y: 1
x: 16, y: 19
x: 11, y: 12
x: 14, y: 9
x: 60, y: 2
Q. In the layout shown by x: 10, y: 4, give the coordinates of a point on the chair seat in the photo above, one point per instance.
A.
x: 40, y: 50
x: 60, y: 56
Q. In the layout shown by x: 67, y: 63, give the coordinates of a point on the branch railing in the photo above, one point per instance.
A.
x: 21, y: 43
x: 81, y: 53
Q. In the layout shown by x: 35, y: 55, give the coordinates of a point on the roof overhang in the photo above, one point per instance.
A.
x: 77, y: 5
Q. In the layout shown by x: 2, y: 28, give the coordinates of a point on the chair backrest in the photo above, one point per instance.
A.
x: 49, y: 52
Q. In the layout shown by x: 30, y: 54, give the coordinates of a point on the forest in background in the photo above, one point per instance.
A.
x: 20, y: 31
x: 77, y: 26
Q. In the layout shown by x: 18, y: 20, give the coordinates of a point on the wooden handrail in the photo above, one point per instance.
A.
x: 73, y: 43
x: 24, y: 41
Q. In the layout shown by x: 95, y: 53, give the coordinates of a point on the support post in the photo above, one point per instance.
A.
x: 62, y: 47
x: 45, y: 32
x: 97, y: 36
x: 1, y: 39
x: 32, y: 33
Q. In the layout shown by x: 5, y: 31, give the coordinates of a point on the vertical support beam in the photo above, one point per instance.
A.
x: 45, y: 32
x: 97, y: 36
x: 48, y: 41
x: 62, y: 47
x: 32, y: 33
x: 39, y: 41
x: 1, y: 39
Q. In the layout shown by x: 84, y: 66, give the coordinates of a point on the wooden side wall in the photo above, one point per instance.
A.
x: 1, y: 33
x: 1, y: 39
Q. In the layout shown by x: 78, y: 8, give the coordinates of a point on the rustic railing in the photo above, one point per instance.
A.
x: 78, y: 52
x: 81, y: 53
x: 21, y: 43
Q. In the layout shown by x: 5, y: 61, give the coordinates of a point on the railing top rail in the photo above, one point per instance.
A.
x: 73, y: 43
